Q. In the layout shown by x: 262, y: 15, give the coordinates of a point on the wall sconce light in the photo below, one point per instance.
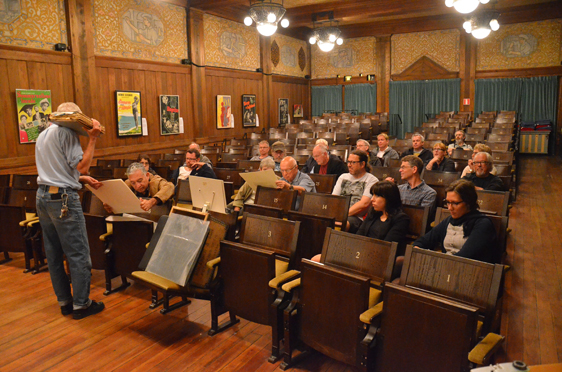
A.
x: 347, y: 78
x: 337, y: 76
x: 60, y: 47
x: 360, y: 74
x: 370, y: 77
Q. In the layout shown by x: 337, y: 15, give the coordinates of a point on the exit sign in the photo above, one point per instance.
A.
x: 466, y: 101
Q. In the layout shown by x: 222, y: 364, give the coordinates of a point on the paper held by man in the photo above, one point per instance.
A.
x: 118, y: 195
x: 76, y: 121
x: 261, y: 178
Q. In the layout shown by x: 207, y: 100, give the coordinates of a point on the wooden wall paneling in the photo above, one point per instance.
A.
x: 55, y: 83
x: 200, y: 96
x: 68, y: 84
x: 382, y: 72
x: 267, y: 78
x: 524, y: 72
x: 472, y: 47
x: 152, y: 106
x: 9, y: 142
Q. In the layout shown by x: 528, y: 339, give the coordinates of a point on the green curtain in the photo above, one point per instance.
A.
x: 412, y: 100
x: 326, y: 97
x: 497, y: 94
x: 361, y: 97
x: 539, y: 97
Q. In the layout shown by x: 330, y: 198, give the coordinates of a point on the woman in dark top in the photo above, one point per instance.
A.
x: 385, y: 219
x: 467, y: 233
x: 440, y: 162
x: 145, y: 160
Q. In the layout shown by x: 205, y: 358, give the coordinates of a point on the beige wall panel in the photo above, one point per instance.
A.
x: 353, y: 57
x: 440, y: 46
x: 289, y: 56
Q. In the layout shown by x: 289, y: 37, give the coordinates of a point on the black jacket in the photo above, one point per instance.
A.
x: 204, y: 171
x: 425, y: 155
x: 335, y: 166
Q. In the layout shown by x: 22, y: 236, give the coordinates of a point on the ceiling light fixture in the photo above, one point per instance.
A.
x: 325, y: 33
x: 465, y: 6
x: 266, y: 14
x: 481, y: 25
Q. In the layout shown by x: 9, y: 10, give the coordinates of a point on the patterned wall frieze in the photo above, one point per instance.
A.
x: 142, y: 29
x: 32, y: 23
x: 230, y: 44
x: 353, y: 57
x: 521, y: 45
x: 294, y: 59
x: 442, y: 47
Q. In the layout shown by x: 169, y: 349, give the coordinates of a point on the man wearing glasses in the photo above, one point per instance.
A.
x: 293, y: 179
x: 481, y: 177
x: 357, y: 183
x: 193, y: 167
x: 415, y: 191
x: 263, y: 148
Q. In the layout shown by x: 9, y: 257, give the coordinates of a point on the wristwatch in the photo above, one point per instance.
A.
x: 291, y: 187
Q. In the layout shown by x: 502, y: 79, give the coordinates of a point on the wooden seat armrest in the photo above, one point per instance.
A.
x: 482, y: 352
x: 29, y: 220
x: 213, y: 263
x: 368, y: 316
x: 288, y: 287
x: 279, y: 280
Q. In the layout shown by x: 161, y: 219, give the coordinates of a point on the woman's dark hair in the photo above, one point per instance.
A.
x: 466, y: 190
x: 363, y: 157
x: 146, y: 157
x: 389, y: 191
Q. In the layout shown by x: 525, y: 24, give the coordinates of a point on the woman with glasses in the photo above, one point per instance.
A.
x: 145, y: 160
x: 467, y: 232
x: 440, y: 162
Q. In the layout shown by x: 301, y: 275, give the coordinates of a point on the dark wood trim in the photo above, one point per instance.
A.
x: 289, y: 79
x: 523, y: 72
x: 425, y: 69
x: 34, y: 55
x: 199, y: 99
x: 132, y: 64
x: 231, y: 73
x: 383, y: 72
x: 340, y: 81
x: 182, y: 3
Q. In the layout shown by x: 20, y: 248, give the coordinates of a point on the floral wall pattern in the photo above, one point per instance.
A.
x: 33, y: 23
x: 289, y: 60
x: 230, y: 44
x: 142, y: 29
x: 353, y: 57
x: 521, y: 45
x: 440, y: 46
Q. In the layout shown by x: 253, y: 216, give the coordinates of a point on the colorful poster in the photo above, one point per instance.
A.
x: 169, y: 115
x: 297, y: 110
x: 283, y: 111
x: 249, y: 110
x: 224, y: 112
x: 129, y: 114
x: 33, y: 108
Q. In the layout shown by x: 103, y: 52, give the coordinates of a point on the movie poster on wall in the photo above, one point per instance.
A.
x: 169, y: 115
x: 33, y: 108
x: 224, y: 112
x: 297, y: 110
x: 283, y: 111
x: 249, y: 110
x: 129, y: 114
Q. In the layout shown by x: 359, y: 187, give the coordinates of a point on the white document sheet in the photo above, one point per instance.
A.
x: 118, y: 195
x: 261, y: 178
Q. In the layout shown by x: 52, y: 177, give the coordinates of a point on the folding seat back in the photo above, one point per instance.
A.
x: 494, y: 202
x: 249, y: 165
x: 419, y: 218
x: 284, y: 199
x: 326, y: 205
x: 324, y: 182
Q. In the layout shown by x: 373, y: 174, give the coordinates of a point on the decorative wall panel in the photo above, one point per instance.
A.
x: 32, y: 23
x: 231, y: 44
x: 521, y: 45
x: 442, y: 47
x: 354, y: 56
x: 294, y: 58
x: 141, y: 29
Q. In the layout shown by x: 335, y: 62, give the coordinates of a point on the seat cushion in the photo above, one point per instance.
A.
x: 156, y: 280
x: 281, y: 267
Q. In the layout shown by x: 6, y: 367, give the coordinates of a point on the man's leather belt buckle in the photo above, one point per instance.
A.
x: 53, y: 190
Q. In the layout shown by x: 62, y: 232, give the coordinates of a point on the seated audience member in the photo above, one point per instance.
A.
x: 480, y: 147
x: 145, y: 160
x: 293, y: 179
x: 415, y: 191
x: 310, y: 162
x: 247, y: 195
x: 481, y: 177
x: 278, y: 152
x: 467, y: 232
x: 459, y: 142
x: 384, y: 151
x: 385, y: 219
x: 364, y: 146
x: 152, y: 189
x: 440, y: 162
x: 418, y: 150
x: 193, y: 167
x: 264, y: 151
x: 325, y: 163
x: 204, y: 159
x: 357, y: 183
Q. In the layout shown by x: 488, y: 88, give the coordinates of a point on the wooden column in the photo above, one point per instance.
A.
x: 198, y: 76
x: 382, y: 71
x: 81, y: 42
x: 467, y: 69
x: 269, y: 117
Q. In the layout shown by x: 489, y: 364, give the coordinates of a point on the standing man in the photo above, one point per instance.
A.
x: 60, y: 163
x: 293, y: 179
x: 357, y: 183
x: 263, y: 148
x: 418, y: 150
x: 278, y: 152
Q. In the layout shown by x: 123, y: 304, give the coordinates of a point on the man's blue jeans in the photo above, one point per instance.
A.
x: 68, y: 236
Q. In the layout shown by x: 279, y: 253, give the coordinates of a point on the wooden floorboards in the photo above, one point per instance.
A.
x: 128, y: 336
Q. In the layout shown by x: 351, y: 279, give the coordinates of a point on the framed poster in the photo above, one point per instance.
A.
x: 129, y: 113
x: 283, y: 105
x: 224, y: 112
x: 248, y: 110
x: 297, y: 110
x: 169, y: 115
x: 33, y: 108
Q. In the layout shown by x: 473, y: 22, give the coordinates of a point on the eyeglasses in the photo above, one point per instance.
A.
x: 287, y: 170
x: 450, y: 203
x: 353, y: 162
x: 481, y: 162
